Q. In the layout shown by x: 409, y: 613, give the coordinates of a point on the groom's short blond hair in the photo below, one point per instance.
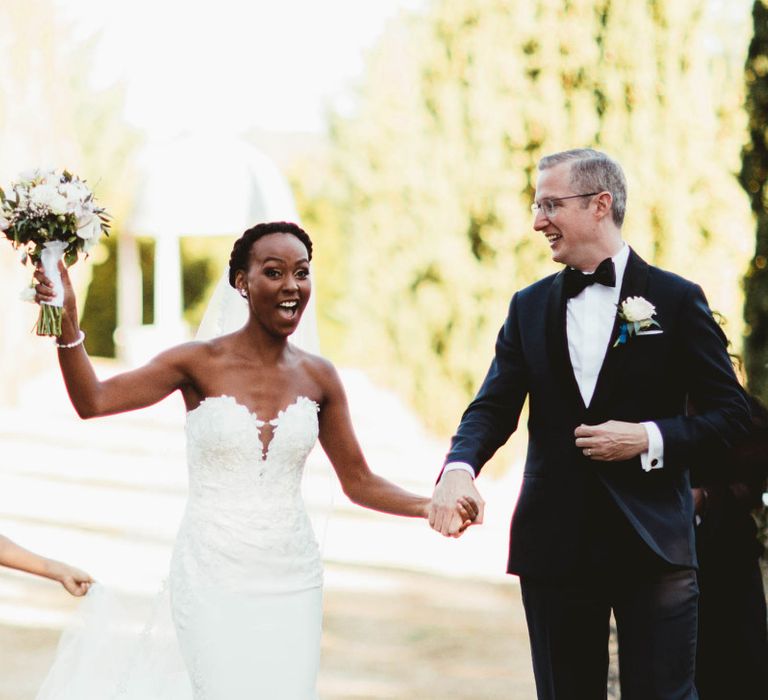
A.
x: 594, y: 171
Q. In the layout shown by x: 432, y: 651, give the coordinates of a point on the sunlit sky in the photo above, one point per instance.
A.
x: 231, y: 64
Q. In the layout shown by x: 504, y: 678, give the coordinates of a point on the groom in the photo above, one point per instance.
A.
x: 604, y: 520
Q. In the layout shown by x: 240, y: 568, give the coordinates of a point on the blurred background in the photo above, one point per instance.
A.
x: 406, y: 135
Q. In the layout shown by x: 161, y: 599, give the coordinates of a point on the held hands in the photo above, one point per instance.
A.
x: 612, y: 441
x: 456, y: 504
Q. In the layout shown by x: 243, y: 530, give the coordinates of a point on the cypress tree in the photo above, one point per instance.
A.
x: 754, y: 175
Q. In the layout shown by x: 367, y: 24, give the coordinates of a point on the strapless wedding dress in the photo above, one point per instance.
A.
x: 245, y: 578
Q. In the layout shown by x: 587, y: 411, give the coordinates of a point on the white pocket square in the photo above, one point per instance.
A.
x: 651, y: 331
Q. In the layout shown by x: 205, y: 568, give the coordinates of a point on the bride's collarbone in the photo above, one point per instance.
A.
x: 264, y: 390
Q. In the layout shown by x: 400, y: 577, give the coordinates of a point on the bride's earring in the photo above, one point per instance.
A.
x: 243, y: 294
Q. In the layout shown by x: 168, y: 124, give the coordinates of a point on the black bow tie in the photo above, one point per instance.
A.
x: 576, y: 281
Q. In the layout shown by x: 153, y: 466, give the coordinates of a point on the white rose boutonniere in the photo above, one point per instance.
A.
x: 636, y: 316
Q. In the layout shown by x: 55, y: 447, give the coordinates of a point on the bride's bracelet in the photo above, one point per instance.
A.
x: 74, y: 343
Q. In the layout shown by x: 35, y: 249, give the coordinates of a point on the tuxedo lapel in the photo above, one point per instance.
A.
x: 633, y: 285
x: 557, y: 345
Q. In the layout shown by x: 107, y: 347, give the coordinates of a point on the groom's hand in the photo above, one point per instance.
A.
x: 612, y: 441
x: 444, y: 516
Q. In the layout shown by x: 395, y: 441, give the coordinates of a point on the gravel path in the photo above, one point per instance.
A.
x: 388, y: 635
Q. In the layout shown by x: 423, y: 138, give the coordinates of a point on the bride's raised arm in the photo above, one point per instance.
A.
x: 127, y: 391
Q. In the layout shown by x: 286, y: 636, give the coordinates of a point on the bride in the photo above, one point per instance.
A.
x: 246, y: 575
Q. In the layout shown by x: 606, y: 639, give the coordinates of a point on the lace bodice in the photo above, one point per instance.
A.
x: 225, y: 452
x: 245, y: 527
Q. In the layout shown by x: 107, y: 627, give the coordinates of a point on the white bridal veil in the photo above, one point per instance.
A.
x: 112, y: 652
x: 273, y: 201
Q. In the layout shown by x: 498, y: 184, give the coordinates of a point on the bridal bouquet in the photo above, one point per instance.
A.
x: 51, y: 215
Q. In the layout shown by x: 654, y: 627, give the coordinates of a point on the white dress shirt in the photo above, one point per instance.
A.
x: 589, y: 322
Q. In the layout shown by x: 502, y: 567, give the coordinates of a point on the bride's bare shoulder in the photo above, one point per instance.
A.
x: 318, y: 367
x: 197, y: 352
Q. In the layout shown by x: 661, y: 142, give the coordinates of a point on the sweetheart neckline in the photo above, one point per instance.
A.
x: 265, y: 450
x: 254, y: 414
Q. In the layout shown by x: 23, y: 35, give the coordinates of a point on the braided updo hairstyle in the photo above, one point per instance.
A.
x: 238, y: 260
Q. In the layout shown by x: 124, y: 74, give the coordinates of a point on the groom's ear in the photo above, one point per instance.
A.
x: 604, y: 203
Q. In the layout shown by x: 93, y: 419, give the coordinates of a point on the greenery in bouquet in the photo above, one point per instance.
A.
x: 51, y: 215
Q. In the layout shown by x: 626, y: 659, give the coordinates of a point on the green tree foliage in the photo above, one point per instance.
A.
x: 436, y: 170
x: 754, y: 177
x: 316, y: 197
x: 99, y: 309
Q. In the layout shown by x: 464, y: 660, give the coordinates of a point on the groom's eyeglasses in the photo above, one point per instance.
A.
x: 550, y: 206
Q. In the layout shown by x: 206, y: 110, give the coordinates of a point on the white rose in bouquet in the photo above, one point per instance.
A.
x: 89, y: 226
x: 48, y: 196
x: 77, y: 196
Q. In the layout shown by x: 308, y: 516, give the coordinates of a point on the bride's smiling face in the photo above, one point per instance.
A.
x: 277, y: 282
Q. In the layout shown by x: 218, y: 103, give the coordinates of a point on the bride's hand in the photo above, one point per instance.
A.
x: 44, y: 291
x: 468, y: 510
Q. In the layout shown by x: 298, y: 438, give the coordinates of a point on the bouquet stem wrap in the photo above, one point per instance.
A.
x: 49, y: 320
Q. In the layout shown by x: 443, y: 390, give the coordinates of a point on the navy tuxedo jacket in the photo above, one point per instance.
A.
x: 649, y: 378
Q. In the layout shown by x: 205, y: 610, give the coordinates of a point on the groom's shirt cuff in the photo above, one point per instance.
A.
x: 653, y: 457
x: 463, y: 466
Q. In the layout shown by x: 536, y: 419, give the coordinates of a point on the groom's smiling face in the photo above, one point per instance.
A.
x: 572, y: 231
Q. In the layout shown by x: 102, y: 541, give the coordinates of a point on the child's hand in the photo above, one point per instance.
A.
x: 76, y: 581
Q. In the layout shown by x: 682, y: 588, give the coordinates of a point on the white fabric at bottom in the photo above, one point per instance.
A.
x: 246, y: 647
x: 277, y: 636
x: 105, y: 654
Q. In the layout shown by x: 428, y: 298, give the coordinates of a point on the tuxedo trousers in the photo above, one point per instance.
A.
x: 569, y: 625
x: 655, y: 605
